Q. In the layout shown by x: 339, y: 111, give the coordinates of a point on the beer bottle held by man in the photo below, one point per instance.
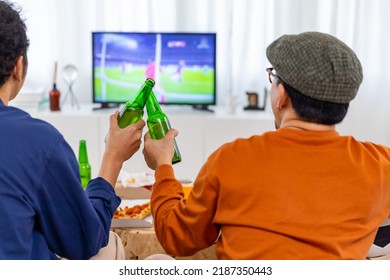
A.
x: 158, y: 124
x: 133, y: 110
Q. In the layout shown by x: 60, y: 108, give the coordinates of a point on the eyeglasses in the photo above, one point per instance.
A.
x: 271, y: 75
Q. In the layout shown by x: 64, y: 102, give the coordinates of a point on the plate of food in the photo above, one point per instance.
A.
x: 133, y: 213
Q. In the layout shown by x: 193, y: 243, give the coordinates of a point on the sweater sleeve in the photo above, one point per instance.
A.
x: 183, y: 227
x: 75, y: 222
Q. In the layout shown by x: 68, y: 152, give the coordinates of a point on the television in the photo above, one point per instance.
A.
x: 183, y: 66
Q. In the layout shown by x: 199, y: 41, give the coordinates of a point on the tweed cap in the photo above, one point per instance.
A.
x: 318, y: 65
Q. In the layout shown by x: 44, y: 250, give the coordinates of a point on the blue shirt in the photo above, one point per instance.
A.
x: 44, y: 211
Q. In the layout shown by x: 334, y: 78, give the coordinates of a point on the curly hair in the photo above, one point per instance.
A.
x: 13, y: 40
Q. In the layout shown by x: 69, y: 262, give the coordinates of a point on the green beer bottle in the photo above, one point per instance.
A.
x: 84, y: 166
x: 133, y: 110
x: 158, y: 124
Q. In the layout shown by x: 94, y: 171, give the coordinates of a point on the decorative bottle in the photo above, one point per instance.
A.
x: 54, y: 98
x: 54, y: 94
x: 158, y: 124
x: 85, y: 167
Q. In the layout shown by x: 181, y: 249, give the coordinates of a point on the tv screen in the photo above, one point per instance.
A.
x: 183, y: 66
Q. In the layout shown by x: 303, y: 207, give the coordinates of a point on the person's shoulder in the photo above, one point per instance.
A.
x: 31, y: 125
x: 375, y: 149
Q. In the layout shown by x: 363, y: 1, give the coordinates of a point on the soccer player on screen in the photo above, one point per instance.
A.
x: 177, y: 75
x: 150, y: 72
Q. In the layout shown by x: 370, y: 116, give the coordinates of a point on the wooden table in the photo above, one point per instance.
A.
x: 142, y: 242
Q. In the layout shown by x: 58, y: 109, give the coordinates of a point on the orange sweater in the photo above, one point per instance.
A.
x: 282, y: 195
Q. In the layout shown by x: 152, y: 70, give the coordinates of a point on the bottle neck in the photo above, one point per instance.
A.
x: 152, y: 105
x: 142, y: 95
x: 83, y: 155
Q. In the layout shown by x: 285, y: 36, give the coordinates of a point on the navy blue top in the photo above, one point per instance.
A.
x: 44, y: 211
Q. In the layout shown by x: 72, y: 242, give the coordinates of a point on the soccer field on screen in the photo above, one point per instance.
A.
x: 194, y: 83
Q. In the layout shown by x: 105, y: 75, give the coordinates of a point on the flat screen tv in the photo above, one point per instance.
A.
x: 183, y: 66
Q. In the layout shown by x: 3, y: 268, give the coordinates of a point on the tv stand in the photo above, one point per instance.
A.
x: 107, y: 106
x: 202, y: 108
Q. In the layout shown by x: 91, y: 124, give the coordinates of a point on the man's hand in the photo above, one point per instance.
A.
x: 159, y: 152
x: 121, y: 144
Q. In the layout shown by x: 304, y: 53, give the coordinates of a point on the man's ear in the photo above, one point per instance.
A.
x: 284, y: 99
x: 18, y: 72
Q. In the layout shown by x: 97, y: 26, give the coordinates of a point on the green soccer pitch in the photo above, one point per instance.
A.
x: 194, y: 84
